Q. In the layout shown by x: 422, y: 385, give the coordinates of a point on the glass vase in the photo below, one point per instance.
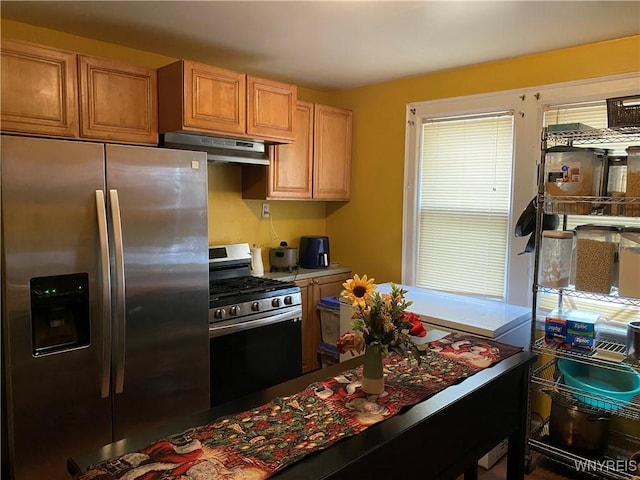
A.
x: 372, y: 375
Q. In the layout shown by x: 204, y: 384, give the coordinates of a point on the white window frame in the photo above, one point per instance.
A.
x: 528, y: 105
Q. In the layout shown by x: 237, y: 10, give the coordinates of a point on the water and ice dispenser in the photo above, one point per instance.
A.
x: 59, y: 313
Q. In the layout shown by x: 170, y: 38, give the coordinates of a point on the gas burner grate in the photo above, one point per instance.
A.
x: 232, y: 287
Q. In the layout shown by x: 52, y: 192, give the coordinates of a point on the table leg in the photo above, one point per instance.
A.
x: 471, y: 473
x: 518, y: 439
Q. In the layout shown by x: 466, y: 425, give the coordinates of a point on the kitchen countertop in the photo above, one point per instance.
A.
x: 305, y: 273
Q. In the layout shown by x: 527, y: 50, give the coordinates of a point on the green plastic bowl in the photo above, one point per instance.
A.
x: 621, y: 385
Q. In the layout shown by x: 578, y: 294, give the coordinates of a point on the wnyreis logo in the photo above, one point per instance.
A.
x: 608, y: 465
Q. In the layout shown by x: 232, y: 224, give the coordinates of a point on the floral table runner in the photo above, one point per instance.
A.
x: 255, y: 444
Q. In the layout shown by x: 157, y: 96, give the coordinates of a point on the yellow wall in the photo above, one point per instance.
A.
x: 368, y: 230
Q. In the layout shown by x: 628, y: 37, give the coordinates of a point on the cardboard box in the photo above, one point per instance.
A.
x: 495, y: 454
x: 555, y: 326
x: 580, y: 341
x: 582, y: 322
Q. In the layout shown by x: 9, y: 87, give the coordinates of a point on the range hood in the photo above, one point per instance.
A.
x: 219, y: 150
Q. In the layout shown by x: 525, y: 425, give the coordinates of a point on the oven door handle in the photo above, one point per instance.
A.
x: 218, y: 330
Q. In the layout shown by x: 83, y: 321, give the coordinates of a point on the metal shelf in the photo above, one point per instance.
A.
x: 598, y: 356
x: 624, y: 207
x: 572, y: 292
x: 611, y: 466
x: 607, y: 353
x: 595, y: 136
x: 548, y: 379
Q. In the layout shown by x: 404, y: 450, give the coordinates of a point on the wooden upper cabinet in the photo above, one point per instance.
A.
x: 194, y: 97
x: 291, y: 168
x: 271, y: 109
x: 119, y: 102
x: 332, y: 153
x: 289, y: 174
x: 317, y: 166
x: 201, y: 98
x: 38, y: 90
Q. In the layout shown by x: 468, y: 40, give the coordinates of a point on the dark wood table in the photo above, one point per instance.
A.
x: 441, y: 437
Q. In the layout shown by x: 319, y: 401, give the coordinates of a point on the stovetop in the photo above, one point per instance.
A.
x: 234, y: 292
x: 246, y: 287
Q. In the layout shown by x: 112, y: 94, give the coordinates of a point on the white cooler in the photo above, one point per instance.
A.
x: 503, y: 322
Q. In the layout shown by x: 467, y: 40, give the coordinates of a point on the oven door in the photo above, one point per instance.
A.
x: 250, y: 356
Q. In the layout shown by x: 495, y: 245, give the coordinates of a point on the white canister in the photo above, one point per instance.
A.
x: 556, y: 256
x: 257, y: 267
x: 629, y: 263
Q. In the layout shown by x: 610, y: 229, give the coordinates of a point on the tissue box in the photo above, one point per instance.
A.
x: 580, y: 341
x: 581, y: 328
x: 582, y: 322
x: 555, y: 326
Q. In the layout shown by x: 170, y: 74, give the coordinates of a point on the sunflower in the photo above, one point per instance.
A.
x: 357, y: 290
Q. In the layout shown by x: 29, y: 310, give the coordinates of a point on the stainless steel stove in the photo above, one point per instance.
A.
x: 236, y: 299
x: 254, y: 326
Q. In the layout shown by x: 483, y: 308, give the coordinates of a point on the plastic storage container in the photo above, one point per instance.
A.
x: 329, y: 310
x: 629, y: 262
x: 632, y: 208
x: 621, y: 386
x: 616, y: 185
x: 555, y: 261
x: 576, y: 172
x: 596, y: 255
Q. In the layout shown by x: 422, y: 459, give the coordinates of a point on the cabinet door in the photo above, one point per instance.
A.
x: 332, y: 153
x: 321, y: 286
x: 270, y: 109
x: 119, y: 102
x: 39, y: 90
x: 214, y: 99
x: 330, y: 285
x: 309, y: 348
x: 291, y: 168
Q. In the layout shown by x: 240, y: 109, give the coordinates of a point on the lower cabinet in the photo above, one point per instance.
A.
x: 312, y: 291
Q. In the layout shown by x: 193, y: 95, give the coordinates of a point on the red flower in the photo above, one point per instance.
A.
x: 350, y: 342
x: 417, y: 328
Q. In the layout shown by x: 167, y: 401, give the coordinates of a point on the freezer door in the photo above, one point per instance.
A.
x: 52, y: 303
x: 159, y: 241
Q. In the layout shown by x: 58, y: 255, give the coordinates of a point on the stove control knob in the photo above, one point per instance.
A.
x: 219, y: 313
x: 235, y: 310
x: 288, y: 300
x: 255, y: 306
x: 275, y: 302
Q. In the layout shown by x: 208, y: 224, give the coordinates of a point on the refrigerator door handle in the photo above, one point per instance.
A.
x: 105, y: 271
x: 120, y: 317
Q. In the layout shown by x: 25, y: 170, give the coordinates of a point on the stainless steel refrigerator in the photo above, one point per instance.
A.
x: 104, y: 294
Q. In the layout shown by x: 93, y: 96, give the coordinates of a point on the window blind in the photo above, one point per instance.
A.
x: 465, y: 190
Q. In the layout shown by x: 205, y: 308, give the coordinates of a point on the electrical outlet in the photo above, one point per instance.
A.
x: 265, y: 210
